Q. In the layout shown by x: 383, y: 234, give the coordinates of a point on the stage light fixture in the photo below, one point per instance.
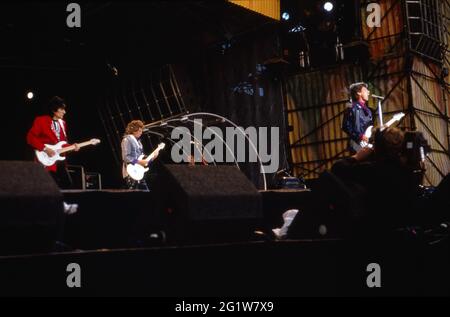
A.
x: 285, y: 16
x: 328, y: 6
x: 30, y: 95
x: 296, y: 29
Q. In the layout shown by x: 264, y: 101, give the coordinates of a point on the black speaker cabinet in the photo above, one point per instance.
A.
x: 31, y: 208
x: 208, y: 203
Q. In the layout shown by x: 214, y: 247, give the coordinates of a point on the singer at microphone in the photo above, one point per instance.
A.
x: 358, y: 116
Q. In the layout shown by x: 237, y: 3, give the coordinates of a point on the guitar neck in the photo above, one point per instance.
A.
x: 72, y: 147
x: 148, y: 158
x: 388, y: 124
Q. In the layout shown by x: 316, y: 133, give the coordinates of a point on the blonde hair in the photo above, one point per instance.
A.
x: 134, y: 126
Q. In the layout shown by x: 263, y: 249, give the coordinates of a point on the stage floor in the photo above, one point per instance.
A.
x: 255, y: 269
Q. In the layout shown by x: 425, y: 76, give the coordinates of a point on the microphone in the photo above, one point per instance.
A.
x: 377, y: 97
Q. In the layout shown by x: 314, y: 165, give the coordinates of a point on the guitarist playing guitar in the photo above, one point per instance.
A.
x: 49, y: 130
x: 358, y: 122
x: 132, y: 151
x: 357, y: 117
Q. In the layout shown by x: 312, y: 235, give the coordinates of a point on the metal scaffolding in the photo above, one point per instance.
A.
x: 155, y: 97
x: 407, y: 65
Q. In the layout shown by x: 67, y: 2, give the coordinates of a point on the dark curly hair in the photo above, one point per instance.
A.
x: 55, y: 103
x: 355, y: 88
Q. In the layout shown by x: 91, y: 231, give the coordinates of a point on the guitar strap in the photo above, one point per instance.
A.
x: 138, y: 144
x: 61, y: 124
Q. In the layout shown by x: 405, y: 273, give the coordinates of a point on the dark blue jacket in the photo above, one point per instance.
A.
x: 356, y: 120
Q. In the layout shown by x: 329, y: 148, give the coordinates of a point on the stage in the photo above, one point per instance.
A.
x: 103, y: 239
x: 252, y: 269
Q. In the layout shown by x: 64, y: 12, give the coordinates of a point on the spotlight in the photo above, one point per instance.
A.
x: 328, y: 6
x: 285, y: 16
x: 30, y: 95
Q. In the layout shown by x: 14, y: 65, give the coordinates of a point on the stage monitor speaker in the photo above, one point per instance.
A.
x: 209, y: 202
x: 31, y: 208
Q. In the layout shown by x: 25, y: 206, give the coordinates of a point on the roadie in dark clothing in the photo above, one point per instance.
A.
x: 390, y: 189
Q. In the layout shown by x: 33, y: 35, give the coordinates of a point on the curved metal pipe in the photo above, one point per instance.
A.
x: 208, y: 128
x: 248, y: 139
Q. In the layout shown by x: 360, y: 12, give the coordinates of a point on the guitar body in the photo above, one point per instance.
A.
x: 59, y: 149
x: 137, y: 171
x: 368, y: 133
x: 362, y: 144
x: 47, y: 160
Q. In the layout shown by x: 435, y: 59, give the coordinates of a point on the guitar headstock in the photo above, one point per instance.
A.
x: 161, y: 145
x: 398, y: 116
x: 94, y: 141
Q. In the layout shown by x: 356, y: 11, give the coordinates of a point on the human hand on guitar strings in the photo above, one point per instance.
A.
x: 364, y: 138
x: 76, y: 147
x: 143, y: 163
x: 49, y: 151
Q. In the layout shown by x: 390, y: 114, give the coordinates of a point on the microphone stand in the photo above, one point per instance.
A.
x: 380, y: 112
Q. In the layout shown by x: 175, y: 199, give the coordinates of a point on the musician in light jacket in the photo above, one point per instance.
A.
x: 131, y: 150
x: 357, y: 117
x: 51, y: 129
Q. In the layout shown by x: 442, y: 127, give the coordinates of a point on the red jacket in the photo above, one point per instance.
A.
x: 42, y: 132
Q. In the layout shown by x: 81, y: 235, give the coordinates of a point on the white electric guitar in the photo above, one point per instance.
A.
x: 369, y: 131
x: 58, y: 148
x: 137, y: 171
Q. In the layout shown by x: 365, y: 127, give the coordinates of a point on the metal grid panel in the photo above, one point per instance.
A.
x: 426, y: 24
x: 386, y: 39
x: 430, y: 103
x: 437, y: 164
x: 314, y: 98
x: 154, y: 97
x: 390, y: 79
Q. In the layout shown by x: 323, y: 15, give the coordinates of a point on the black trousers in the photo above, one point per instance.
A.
x: 62, y: 176
x: 130, y: 183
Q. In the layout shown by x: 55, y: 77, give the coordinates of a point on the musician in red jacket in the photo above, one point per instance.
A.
x: 51, y: 129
